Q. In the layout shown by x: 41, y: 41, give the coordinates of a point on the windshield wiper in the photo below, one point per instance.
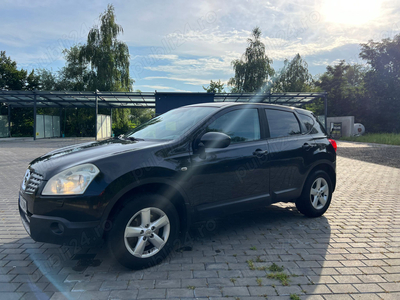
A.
x: 132, y: 138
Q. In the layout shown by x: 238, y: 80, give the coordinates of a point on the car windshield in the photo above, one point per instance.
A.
x: 171, y: 125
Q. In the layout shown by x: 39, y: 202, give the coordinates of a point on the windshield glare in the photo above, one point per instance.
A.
x: 172, y: 124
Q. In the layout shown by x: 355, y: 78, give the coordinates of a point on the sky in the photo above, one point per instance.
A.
x: 178, y: 46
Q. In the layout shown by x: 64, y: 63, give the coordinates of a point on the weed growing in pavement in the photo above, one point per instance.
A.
x: 275, y: 268
x: 282, y: 277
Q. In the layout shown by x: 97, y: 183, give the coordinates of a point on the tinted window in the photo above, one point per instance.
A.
x: 172, y: 124
x: 282, y: 123
x: 307, y: 121
x: 241, y: 125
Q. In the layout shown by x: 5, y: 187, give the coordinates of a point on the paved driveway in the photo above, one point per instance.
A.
x: 352, y: 252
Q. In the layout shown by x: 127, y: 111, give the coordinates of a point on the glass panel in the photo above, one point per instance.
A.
x: 48, y: 126
x: 172, y: 124
x: 282, y: 123
x: 56, y: 126
x: 3, y: 126
x: 241, y: 125
x: 307, y: 121
x: 39, y: 126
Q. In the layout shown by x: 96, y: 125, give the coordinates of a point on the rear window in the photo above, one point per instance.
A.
x: 282, y: 123
x: 307, y: 121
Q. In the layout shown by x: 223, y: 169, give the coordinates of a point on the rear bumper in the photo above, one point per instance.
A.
x: 60, y: 231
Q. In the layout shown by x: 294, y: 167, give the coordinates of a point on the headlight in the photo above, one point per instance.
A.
x: 73, y: 181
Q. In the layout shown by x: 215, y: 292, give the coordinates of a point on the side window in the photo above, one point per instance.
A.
x: 307, y: 121
x: 241, y: 125
x: 282, y: 123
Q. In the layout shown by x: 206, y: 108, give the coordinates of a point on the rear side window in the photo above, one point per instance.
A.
x: 307, y: 121
x: 282, y: 123
x: 241, y: 125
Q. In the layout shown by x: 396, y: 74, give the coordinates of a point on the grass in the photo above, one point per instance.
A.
x: 294, y: 297
x: 275, y: 268
x: 378, y: 138
x: 191, y: 287
x: 282, y: 277
x: 253, y: 248
x: 250, y: 263
x: 259, y: 281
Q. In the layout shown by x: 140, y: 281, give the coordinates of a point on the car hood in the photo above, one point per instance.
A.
x: 86, y: 153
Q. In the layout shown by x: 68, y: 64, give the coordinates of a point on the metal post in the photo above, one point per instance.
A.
x: 61, y: 110
x: 326, y: 112
x: 269, y: 97
x: 9, y: 120
x: 97, y: 112
x: 34, y: 115
x: 111, y: 120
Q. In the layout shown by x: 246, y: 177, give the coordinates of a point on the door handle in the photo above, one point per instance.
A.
x: 306, y: 146
x: 260, y: 152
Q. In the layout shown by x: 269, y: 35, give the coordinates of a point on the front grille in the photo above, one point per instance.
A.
x: 33, y: 183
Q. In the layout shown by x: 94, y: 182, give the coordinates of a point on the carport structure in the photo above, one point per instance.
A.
x: 160, y: 101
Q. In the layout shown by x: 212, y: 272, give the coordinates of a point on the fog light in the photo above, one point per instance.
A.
x: 57, y: 228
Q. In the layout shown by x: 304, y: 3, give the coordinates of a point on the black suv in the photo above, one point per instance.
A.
x: 142, y: 190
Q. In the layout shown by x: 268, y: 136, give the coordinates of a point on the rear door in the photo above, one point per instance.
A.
x: 289, y: 149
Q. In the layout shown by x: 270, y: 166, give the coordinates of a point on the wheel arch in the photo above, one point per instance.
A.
x: 328, y: 168
x: 173, y: 193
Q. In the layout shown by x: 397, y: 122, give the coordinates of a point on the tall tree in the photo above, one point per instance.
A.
x: 215, y: 87
x: 383, y: 81
x: 293, y: 77
x: 344, y: 84
x: 254, y: 68
x: 109, y: 62
x: 108, y: 57
x: 11, y: 78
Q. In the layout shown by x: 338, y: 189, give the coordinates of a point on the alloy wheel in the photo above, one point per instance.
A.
x: 147, y: 232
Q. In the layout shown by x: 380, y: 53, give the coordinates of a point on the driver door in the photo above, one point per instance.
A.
x: 232, y: 178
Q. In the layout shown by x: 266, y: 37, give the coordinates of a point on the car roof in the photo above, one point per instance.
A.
x: 228, y: 104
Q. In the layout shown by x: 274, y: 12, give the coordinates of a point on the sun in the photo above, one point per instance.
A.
x: 351, y: 12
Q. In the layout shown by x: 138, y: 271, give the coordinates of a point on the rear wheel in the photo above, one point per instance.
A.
x: 316, y: 195
x: 143, y: 231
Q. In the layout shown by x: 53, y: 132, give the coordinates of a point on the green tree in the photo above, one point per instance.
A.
x: 383, y: 82
x: 215, y: 87
x: 109, y: 63
x: 254, y: 68
x: 11, y: 78
x: 293, y: 77
x: 344, y: 84
x: 108, y: 57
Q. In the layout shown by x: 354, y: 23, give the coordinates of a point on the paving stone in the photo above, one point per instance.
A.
x: 180, y: 293
x: 152, y: 294
x: 354, y: 248
x: 235, y: 291
x: 111, y: 285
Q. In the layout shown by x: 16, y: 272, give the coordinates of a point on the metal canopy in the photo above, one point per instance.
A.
x: 289, y: 99
x: 59, y: 99
x: 138, y: 99
x: 77, y: 99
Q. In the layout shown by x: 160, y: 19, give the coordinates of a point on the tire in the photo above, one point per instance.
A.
x: 132, y: 239
x: 316, y: 196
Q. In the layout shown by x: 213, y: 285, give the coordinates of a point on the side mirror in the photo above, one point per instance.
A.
x: 215, y: 140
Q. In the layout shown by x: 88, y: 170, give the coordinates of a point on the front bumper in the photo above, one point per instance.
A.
x: 55, y: 230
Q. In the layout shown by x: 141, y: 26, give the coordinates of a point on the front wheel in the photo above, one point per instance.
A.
x: 316, y: 196
x: 143, y: 231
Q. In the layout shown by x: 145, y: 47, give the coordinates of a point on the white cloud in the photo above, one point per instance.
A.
x: 164, y: 56
x: 191, y: 81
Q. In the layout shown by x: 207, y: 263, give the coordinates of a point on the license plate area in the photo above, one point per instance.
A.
x: 23, y: 205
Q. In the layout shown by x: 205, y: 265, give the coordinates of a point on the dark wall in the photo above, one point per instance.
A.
x: 168, y: 101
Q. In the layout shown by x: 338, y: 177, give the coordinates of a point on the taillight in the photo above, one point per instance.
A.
x: 333, y: 143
